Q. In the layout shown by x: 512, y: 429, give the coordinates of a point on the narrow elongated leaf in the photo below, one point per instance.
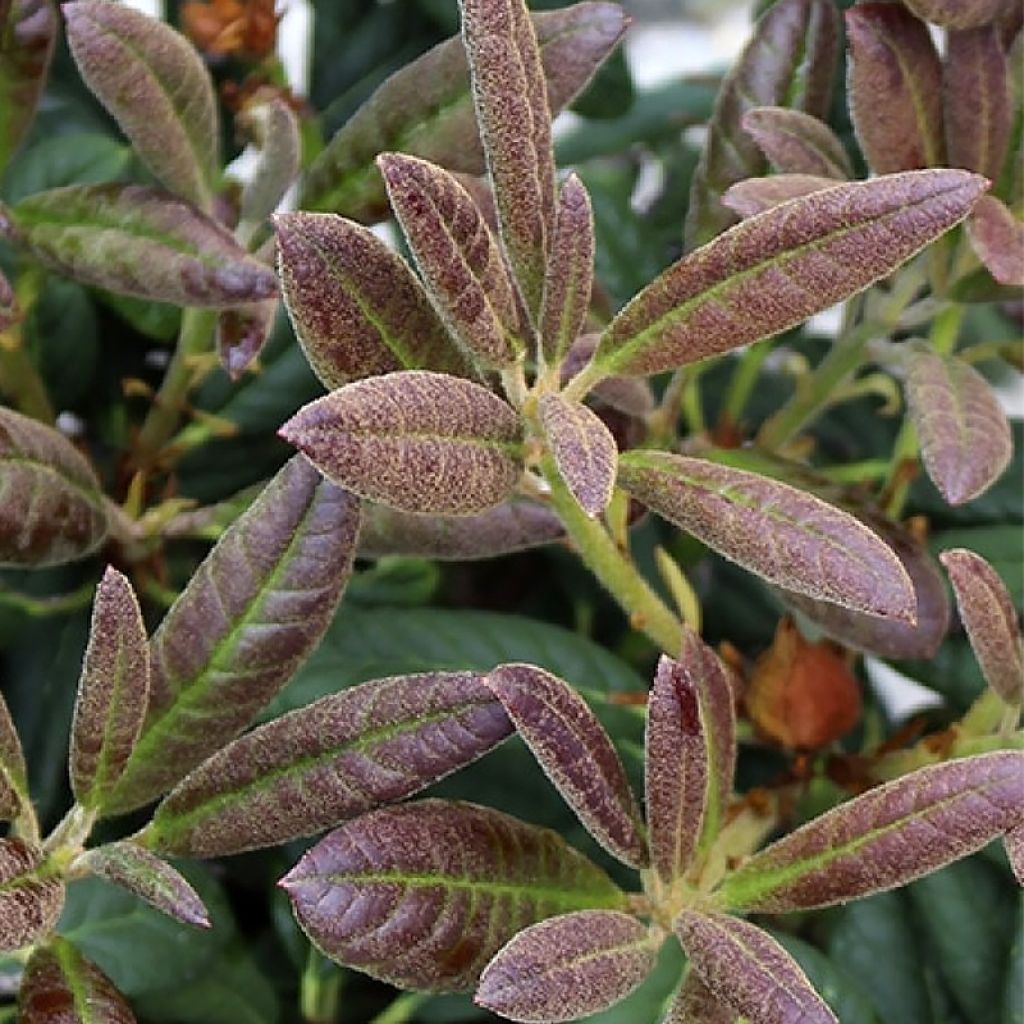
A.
x: 797, y: 143
x: 568, y: 967
x: 251, y: 614
x: 129, y: 866
x: 421, y: 442
x: 755, y: 195
x: 357, y: 308
x: 895, y: 88
x: 990, y: 619
x: 790, y: 61
x: 964, y: 434
x: 574, y: 750
x: 584, y: 451
x: 275, y: 128
x: 746, y: 968
x: 139, y: 241
x: 156, y: 87
x: 51, y: 505
x: 340, y: 756
x: 423, y: 895
x: 13, y: 777
x: 30, y: 903
x: 998, y: 239
x: 775, y: 269
x: 958, y: 14
x: 694, y: 1003
x: 886, y: 837
x: 789, y: 537
x: 1014, y: 842
x: 458, y: 258
x: 60, y: 986
x: 426, y: 109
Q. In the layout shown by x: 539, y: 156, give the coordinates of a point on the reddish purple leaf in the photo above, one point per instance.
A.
x: 958, y: 14
x: 30, y: 903
x: 755, y: 195
x: 241, y: 334
x: 1014, y: 842
x: 998, y: 239
x: 568, y: 967
x: 631, y: 395
x: 695, y: 1004
x: 797, y: 143
x: 574, y: 750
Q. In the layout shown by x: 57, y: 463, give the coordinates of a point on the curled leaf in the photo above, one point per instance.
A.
x: 51, y: 505
x: 30, y: 901
x: 423, y: 895
x: 568, y: 967
x: 13, y: 776
x: 275, y: 129
x: 241, y: 334
x: 420, y: 442
x: 998, y: 238
x: 797, y: 143
x: 958, y: 14
x: 755, y: 195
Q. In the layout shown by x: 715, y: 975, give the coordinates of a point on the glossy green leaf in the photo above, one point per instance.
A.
x: 797, y: 143
x: 13, y: 777
x: 30, y: 901
x: 998, y: 238
x: 755, y: 195
x: 274, y: 127
x: 958, y: 14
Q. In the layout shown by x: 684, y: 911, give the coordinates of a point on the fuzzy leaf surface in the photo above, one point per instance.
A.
x: 334, y: 759
x: 746, y: 968
x: 1014, y: 842
x: 275, y: 127
x: 568, y: 967
x: 755, y: 195
x: 113, y: 692
x: 777, y: 268
x: 790, y: 61
x: 13, y: 776
x: 417, y: 441
x: 29, y: 904
x: 423, y: 895
x: 139, y: 241
x: 694, y: 1003
x: 135, y: 869
x: 990, y: 619
x: 964, y: 434
x: 785, y: 535
x: 51, y: 506
x: 885, y: 837
x: 251, y: 614
x: 958, y: 14
x: 998, y: 239
x: 577, y: 755
x: 28, y: 32
x: 156, y: 86
x: 242, y: 333
x: 797, y: 143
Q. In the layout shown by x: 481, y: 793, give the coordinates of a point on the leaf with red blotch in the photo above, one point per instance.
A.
x: 568, y: 967
x: 251, y: 614
x: 461, y: 263
x: 113, y: 692
x: 691, y: 754
x: 990, y: 619
x: 797, y: 143
x: 964, y: 434
x: 51, y: 504
x: 14, y: 793
x: 129, y: 866
x: 274, y: 127
x: 341, y: 756
x: 958, y: 14
x: 420, y: 442
x: 357, y: 308
x: 776, y: 269
x: 746, y: 968
x: 10, y: 313
x: 61, y: 986
x: 695, y: 1004
x: 895, y: 87
x: 241, y: 334
x: 884, y: 838
x: 787, y: 536
x: 30, y: 902
x: 156, y: 86
x: 790, y: 61
x: 755, y: 195
x: 424, y: 894
x: 139, y: 241
x: 998, y: 238
x: 574, y: 750
x: 1014, y: 843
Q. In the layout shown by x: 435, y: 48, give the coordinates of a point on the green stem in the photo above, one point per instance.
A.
x: 402, y: 1009
x: 319, y: 991
x: 42, y: 607
x: 744, y: 377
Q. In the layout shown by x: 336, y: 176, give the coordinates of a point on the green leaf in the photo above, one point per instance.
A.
x: 1013, y: 994
x: 30, y: 899
x: 76, y: 158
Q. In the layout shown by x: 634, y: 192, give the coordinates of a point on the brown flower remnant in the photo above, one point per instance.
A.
x: 232, y: 28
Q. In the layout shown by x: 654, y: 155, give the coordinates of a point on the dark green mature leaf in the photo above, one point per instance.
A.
x: 51, y: 506
x: 60, y: 986
x: 568, y: 966
x: 886, y: 837
x: 420, y: 442
x: 13, y: 777
x: 775, y: 269
x: 797, y: 143
x: 1013, y: 990
x: 157, y: 88
x: 895, y: 88
x: 30, y: 902
x: 426, y: 109
x: 785, y: 535
x: 135, y: 240
x: 998, y: 239
x: 789, y: 62
x: 695, y: 1002
x: 423, y: 895
x: 755, y: 195
x: 574, y: 750
x: 339, y: 757
x: 958, y: 14
x: 113, y: 692
x: 28, y: 30
x: 275, y: 128
x: 251, y: 614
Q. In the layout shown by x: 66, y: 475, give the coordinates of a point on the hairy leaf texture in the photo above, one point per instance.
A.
x: 958, y: 14
x: 13, y: 777
x: 30, y: 903
x: 777, y: 268
x: 1014, y: 841
x: 797, y: 143
x: 886, y: 837
x: 275, y: 128
x: 423, y: 895
x: 785, y: 535
x: 420, y: 442
x: 755, y: 195
x: 51, y: 505
x: 135, y: 240
x: 577, y: 755
x: 998, y: 239
x: 254, y: 610
x: 241, y: 334
x: 568, y: 967
x: 339, y: 757
x: 156, y: 87
x: 694, y: 1003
